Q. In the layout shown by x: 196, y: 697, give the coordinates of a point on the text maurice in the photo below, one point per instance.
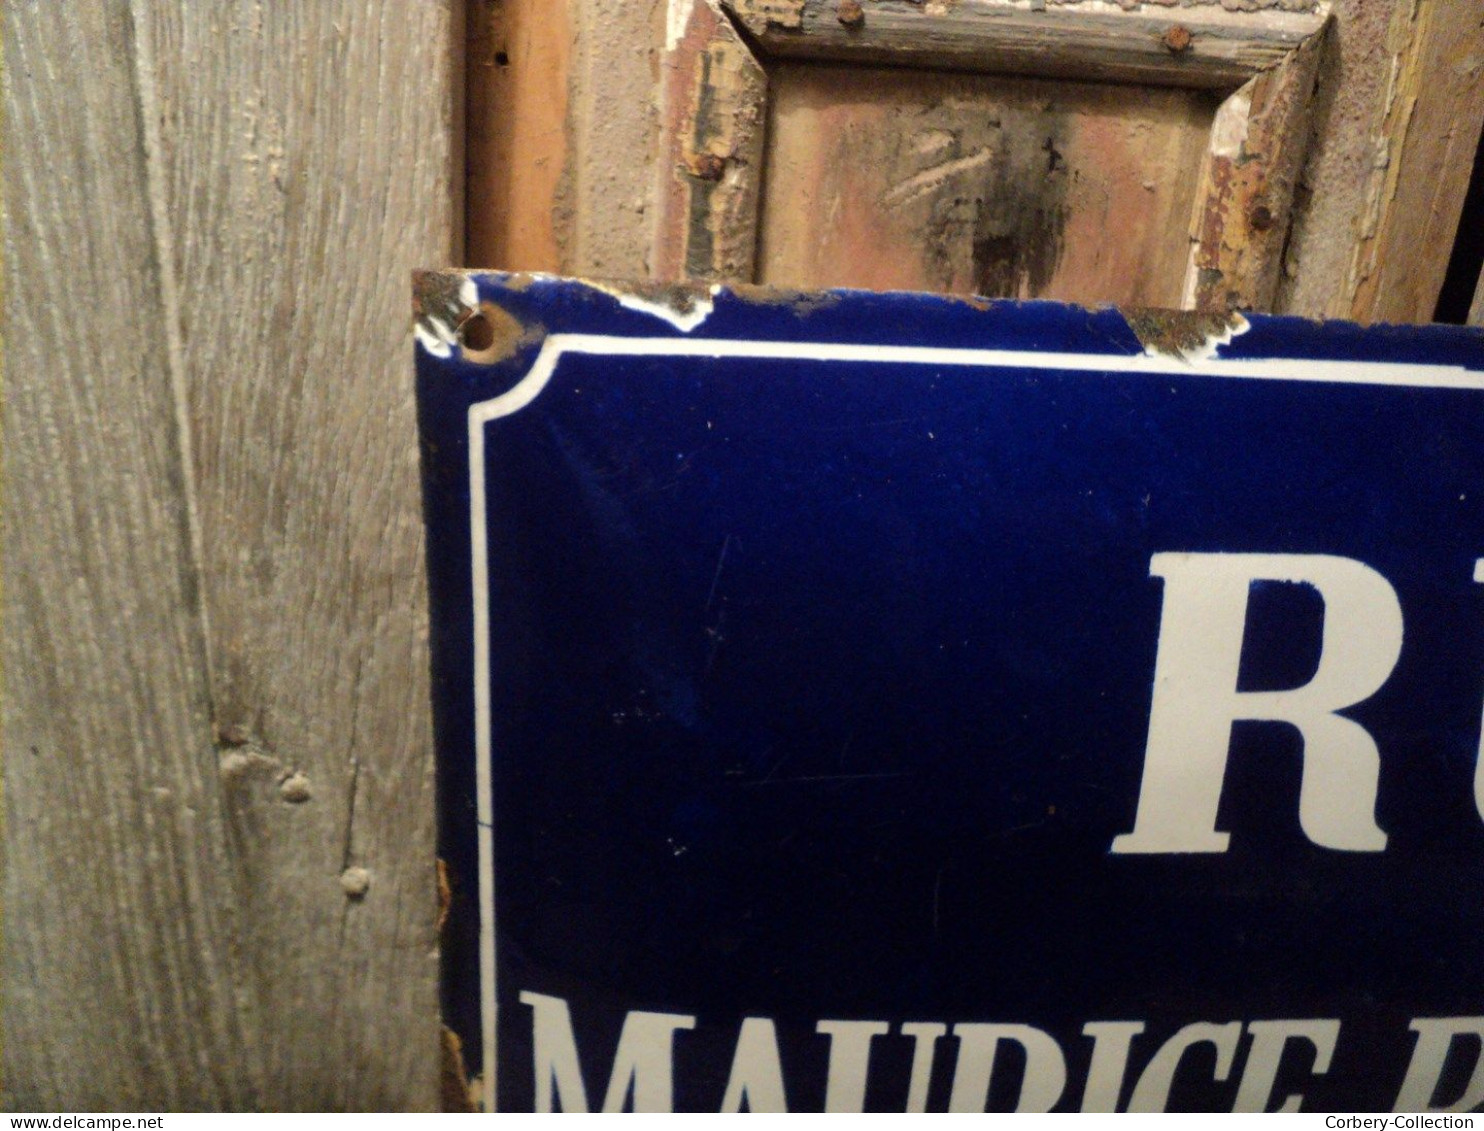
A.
x: 643, y: 1072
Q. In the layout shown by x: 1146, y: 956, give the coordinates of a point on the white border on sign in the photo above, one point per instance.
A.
x: 529, y: 387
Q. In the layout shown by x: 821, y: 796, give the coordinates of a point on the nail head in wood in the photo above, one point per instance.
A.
x: 1178, y: 39
x: 708, y: 166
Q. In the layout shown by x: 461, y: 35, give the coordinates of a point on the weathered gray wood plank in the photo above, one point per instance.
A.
x: 119, y: 927
x: 212, y: 214
x: 309, y: 169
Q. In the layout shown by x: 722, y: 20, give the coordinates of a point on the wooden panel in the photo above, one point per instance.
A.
x: 519, y: 63
x: 309, y: 171
x: 1476, y: 310
x: 220, y: 877
x: 562, y: 114
x: 119, y: 920
x: 1428, y: 131
x: 978, y: 184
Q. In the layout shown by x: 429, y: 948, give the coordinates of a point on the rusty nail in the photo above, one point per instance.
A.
x: 1261, y: 217
x: 1178, y: 38
x: 709, y: 167
x: 850, y: 14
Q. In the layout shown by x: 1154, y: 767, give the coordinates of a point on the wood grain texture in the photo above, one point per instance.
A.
x: 1428, y: 129
x: 712, y: 115
x: 987, y: 185
x: 300, y: 212
x: 197, y: 796
x: 562, y: 113
x: 120, y: 959
x: 1353, y: 70
x: 519, y: 63
x: 1204, y: 46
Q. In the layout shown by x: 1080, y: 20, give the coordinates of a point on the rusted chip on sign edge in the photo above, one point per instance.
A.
x: 1191, y: 335
x: 448, y: 315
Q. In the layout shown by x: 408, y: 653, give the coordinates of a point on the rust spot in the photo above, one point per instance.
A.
x: 445, y: 894
x: 1209, y: 256
x: 849, y: 13
x: 454, y: 1091
x: 803, y: 303
x: 1177, y: 39
x: 1179, y: 332
x: 706, y: 166
x: 490, y: 334
x: 1261, y: 217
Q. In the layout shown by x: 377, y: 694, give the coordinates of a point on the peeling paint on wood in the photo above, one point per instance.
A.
x: 1247, y: 185
x: 1200, y: 45
x: 763, y: 16
x: 712, y: 112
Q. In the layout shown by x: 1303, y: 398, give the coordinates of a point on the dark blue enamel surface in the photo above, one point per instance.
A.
x: 820, y: 689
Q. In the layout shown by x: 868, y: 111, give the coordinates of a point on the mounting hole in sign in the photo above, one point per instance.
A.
x: 476, y: 335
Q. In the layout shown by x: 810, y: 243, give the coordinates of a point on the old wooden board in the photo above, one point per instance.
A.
x: 855, y: 701
x: 976, y: 184
x: 1424, y: 138
x: 1212, y: 45
x: 118, y: 963
x: 219, y: 887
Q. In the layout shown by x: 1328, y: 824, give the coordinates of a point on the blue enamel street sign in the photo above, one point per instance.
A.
x: 859, y: 701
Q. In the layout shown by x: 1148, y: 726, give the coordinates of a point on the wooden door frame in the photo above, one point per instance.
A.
x: 714, y: 92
